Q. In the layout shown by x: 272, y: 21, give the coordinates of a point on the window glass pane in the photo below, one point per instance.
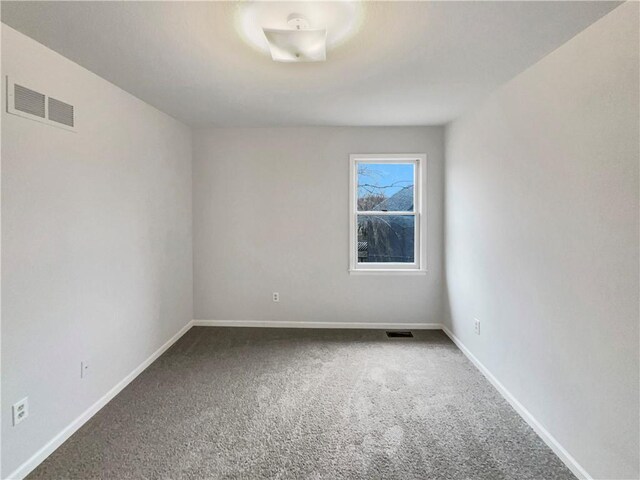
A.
x: 386, y: 238
x: 385, y: 187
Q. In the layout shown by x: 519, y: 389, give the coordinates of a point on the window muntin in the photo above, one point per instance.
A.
x: 385, y: 213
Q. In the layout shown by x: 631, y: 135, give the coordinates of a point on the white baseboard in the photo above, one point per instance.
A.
x: 281, y: 324
x: 37, y: 458
x: 542, y: 432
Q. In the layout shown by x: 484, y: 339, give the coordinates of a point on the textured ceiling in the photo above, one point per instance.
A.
x: 411, y: 63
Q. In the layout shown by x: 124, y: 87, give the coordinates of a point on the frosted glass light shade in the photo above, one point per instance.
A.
x: 297, y: 45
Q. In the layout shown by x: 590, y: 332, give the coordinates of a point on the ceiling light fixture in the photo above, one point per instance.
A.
x: 297, y: 44
x: 298, y: 31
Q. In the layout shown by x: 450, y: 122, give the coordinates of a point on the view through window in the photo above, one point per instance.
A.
x: 385, y: 224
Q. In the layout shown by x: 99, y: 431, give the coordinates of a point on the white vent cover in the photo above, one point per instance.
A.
x: 28, y: 103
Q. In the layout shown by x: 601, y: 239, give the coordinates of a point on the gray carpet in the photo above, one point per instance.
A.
x: 306, y: 404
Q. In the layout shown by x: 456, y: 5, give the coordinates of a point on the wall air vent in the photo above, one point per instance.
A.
x: 60, y: 112
x: 29, y: 103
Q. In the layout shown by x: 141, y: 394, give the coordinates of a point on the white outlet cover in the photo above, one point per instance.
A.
x: 20, y: 411
x: 276, y: 297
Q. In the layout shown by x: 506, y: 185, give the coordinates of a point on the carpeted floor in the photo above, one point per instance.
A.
x: 249, y: 403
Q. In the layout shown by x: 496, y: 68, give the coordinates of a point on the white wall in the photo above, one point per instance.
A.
x: 271, y: 213
x: 96, y: 244
x: 542, y: 241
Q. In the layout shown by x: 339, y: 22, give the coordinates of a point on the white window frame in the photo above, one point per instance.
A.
x: 419, y: 265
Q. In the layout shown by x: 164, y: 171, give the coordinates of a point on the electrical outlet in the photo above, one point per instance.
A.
x: 84, y: 369
x: 20, y: 411
x: 276, y: 297
x: 476, y: 326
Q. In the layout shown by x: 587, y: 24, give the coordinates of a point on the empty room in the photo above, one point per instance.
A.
x: 320, y: 240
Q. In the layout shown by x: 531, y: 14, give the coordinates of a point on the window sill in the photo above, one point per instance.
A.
x: 386, y: 271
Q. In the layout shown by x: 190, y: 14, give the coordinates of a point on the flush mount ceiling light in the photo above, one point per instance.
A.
x: 297, y: 44
x: 299, y: 31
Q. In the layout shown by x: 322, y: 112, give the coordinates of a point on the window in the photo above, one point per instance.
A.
x: 385, y: 214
